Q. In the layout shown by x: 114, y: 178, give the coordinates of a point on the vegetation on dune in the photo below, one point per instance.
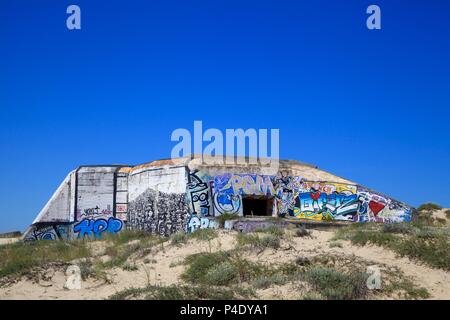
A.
x: 182, y: 237
x: 183, y: 292
x: 429, y: 206
x: 325, y: 276
x: 232, y: 275
x: 19, y: 258
x: 335, y: 285
x: 258, y: 242
x: 420, y: 241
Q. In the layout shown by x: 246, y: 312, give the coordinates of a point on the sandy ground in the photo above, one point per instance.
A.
x: 160, y: 267
x: 8, y: 240
x: 440, y: 214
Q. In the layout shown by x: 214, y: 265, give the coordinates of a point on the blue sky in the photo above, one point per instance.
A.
x: 371, y: 106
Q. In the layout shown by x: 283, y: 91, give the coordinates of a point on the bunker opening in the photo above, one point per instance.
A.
x: 257, y: 206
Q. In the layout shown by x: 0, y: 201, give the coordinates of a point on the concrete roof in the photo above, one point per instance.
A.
x: 216, y: 166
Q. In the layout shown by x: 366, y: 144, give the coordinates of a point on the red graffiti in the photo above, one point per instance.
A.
x: 376, y: 207
x: 315, y: 195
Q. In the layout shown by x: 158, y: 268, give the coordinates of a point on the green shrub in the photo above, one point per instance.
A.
x: 270, y: 241
x: 408, y: 289
x: 264, y: 282
x: 222, y: 267
x: 429, y: 206
x: 130, y: 267
x: 402, y: 228
x: 178, y: 238
x: 255, y: 241
x: 204, y: 234
x: 335, y: 285
x: 302, y: 232
x: 200, y: 263
x: 335, y: 244
x: 273, y: 230
x: 374, y: 237
x: 221, y: 274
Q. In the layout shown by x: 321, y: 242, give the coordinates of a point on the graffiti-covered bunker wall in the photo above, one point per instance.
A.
x: 166, y: 196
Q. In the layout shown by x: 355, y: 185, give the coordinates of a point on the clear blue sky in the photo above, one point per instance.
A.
x: 371, y: 106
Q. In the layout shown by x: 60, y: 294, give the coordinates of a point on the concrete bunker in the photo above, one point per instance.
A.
x: 185, y: 194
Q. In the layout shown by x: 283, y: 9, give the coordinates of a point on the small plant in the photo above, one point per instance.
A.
x: 204, y: 234
x: 200, y: 263
x: 221, y: 274
x: 178, y: 238
x: 270, y: 241
x: 255, y: 241
x: 302, y: 261
x: 302, y: 232
x: 335, y: 244
x: 374, y: 237
x: 264, y: 282
x: 130, y: 267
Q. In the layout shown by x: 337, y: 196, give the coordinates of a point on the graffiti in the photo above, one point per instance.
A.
x: 247, y: 184
x: 91, y: 212
x: 41, y: 233
x: 196, y: 223
x: 252, y: 226
x: 229, y: 189
x: 226, y: 203
x: 157, y: 212
x: 199, y: 195
x: 322, y: 206
x: 376, y: 207
x: 121, y: 207
x: 207, y: 196
x: 95, y: 228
